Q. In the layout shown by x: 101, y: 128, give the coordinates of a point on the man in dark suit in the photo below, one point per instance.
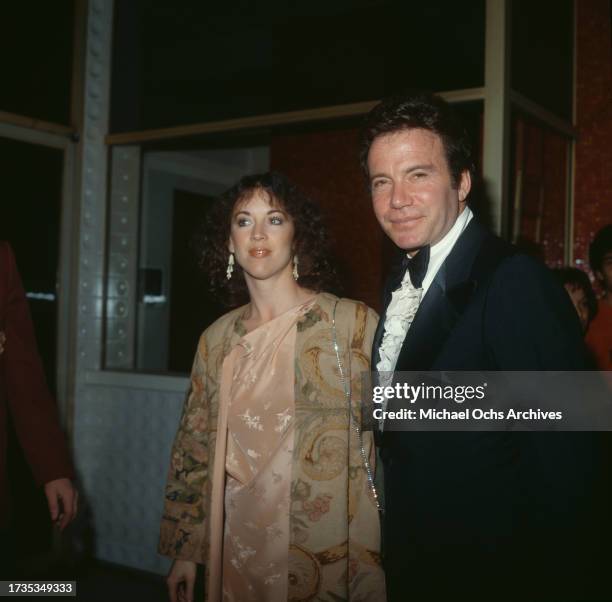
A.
x: 467, y: 513
x: 24, y: 393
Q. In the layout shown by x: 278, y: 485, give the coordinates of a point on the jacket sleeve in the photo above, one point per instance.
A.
x: 533, y: 326
x: 32, y: 407
x: 183, y: 522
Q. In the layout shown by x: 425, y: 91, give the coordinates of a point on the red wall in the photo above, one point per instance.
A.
x: 593, y: 166
x: 540, y: 165
x: 326, y: 165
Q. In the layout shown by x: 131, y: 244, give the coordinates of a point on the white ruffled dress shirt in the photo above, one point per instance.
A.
x: 405, y: 301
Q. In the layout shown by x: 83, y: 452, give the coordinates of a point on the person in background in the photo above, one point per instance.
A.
x: 578, y: 287
x: 271, y: 481
x: 599, y: 335
x: 24, y: 394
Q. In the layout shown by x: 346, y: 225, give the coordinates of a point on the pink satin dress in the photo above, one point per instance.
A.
x: 257, y: 389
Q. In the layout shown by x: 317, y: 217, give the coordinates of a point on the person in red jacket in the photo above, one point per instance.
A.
x: 25, y: 396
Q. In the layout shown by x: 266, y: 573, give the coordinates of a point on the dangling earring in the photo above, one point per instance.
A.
x: 296, y: 275
x: 230, y: 266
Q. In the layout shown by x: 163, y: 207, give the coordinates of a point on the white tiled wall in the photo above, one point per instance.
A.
x: 123, y: 440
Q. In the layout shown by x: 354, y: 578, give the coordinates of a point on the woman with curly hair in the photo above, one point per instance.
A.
x: 271, y: 479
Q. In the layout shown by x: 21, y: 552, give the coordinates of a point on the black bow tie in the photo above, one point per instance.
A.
x: 417, y: 266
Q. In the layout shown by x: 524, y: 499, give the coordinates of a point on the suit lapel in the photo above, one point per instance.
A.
x: 446, y: 299
x: 428, y: 330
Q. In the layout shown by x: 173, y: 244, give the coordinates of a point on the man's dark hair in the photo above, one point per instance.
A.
x: 310, y: 243
x: 602, y: 244
x: 420, y: 110
x: 575, y: 278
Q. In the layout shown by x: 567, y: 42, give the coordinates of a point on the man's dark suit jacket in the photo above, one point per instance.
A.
x: 23, y: 390
x: 485, y: 513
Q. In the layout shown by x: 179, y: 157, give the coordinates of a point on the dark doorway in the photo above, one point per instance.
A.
x: 192, y: 307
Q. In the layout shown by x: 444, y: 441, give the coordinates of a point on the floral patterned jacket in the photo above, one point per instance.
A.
x: 334, y: 522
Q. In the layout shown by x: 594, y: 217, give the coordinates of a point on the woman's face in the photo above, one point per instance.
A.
x: 261, y: 237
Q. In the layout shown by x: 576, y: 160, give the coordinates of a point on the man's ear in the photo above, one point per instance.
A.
x: 598, y: 275
x: 465, y: 185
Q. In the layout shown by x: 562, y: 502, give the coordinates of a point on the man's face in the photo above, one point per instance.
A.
x: 605, y: 274
x: 412, y: 191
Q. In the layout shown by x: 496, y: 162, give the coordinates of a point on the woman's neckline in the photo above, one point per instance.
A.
x: 307, y: 304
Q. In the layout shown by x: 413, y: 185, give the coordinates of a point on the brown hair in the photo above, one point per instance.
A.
x: 420, y: 110
x: 311, y: 241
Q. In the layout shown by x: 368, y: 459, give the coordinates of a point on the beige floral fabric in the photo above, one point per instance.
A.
x: 334, y: 536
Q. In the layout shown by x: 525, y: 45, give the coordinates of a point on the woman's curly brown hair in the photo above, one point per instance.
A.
x: 310, y: 243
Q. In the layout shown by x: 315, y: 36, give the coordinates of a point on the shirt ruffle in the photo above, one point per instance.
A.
x: 400, y: 314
